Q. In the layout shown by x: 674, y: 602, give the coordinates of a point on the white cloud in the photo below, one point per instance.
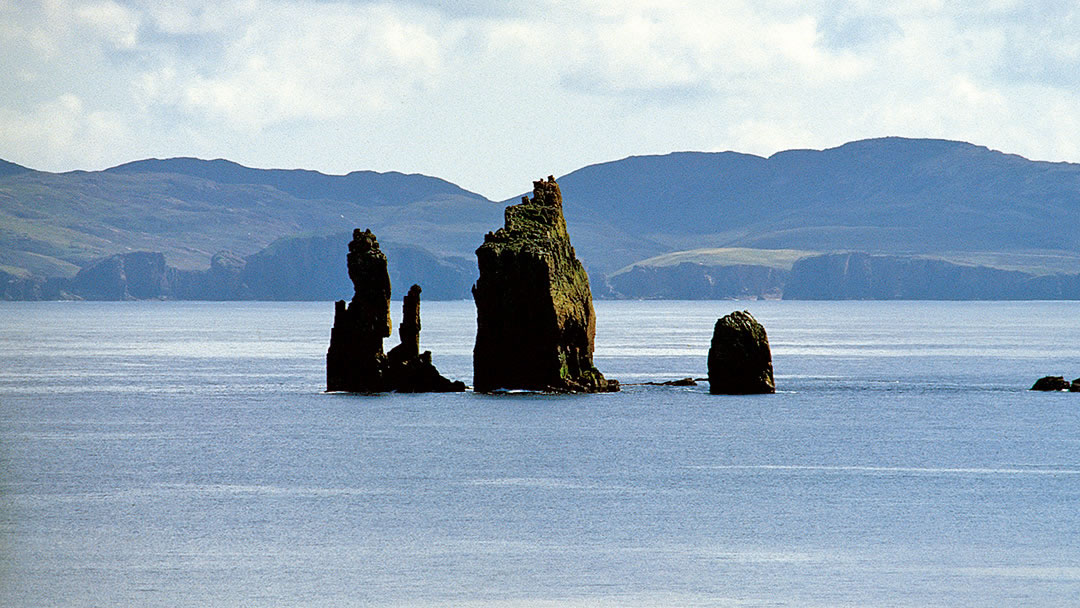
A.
x: 111, y: 21
x: 304, y: 63
x: 492, y: 94
x: 64, y: 130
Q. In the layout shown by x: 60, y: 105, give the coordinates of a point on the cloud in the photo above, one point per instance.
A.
x: 111, y: 22
x: 493, y: 94
x: 302, y: 63
x: 65, y: 129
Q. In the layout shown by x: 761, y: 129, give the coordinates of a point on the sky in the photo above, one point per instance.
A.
x: 492, y: 95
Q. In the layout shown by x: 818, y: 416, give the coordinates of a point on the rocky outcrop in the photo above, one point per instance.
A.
x: 355, y: 361
x: 138, y: 275
x: 740, y: 361
x: 534, y: 311
x: 408, y: 369
x: 1056, y: 383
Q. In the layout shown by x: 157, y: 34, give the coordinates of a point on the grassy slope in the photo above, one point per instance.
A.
x: 52, y: 223
x: 781, y: 259
x: 889, y: 196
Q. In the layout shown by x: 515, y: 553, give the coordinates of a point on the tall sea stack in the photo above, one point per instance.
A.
x: 355, y: 361
x: 534, y: 312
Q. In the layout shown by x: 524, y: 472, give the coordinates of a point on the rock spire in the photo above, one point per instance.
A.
x: 534, y: 311
x: 355, y: 361
x: 740, y: 361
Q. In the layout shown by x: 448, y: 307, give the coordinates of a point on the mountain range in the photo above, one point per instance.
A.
x: 686, y: 224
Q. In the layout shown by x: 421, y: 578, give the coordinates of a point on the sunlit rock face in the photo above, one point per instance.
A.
x: 534, y: 312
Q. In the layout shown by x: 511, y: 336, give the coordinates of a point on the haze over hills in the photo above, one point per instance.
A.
x: 650, y: 224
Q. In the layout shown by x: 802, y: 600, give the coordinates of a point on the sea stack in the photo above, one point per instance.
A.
x: 355, y: 362
x: 534, y: 312
x: 1056, y: 383
x: 408, y: 369
x: 740, y: 362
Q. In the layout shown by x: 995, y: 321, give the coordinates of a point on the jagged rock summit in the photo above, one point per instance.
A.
x: 355, y: 361
x: 534, y: 311
x: 740, y: 362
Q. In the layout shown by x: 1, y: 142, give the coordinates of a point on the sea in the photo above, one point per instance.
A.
x: 185, y: 454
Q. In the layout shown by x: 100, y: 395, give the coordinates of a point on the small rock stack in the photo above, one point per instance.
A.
x: 740, y: 362
x: 1056, y: 383
x: 355, y: 361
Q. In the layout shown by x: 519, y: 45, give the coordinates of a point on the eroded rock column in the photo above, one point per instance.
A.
x: 534, y: 311
x: 355, y: 361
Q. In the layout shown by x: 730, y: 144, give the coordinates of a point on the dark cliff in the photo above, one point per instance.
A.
x: 860, y: 276
x: 355, y: 361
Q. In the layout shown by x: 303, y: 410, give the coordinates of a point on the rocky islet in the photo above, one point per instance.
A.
x: 534, y: 313
x: 355, y: 361
x: 740, y: 361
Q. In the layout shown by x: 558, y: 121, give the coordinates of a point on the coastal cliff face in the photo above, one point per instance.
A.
x: 689, y: 281
x: 534, y: 311
x: 129, y: 276
x: 355, y: 361
x: 861, y: 276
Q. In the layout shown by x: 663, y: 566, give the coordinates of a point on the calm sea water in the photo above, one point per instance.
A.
x: 183, y: 454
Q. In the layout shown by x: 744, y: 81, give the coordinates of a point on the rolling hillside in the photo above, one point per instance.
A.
x: 662, y: 221
x: 53, y: 224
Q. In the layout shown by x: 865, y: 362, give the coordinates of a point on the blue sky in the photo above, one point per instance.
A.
x: 491, y: 95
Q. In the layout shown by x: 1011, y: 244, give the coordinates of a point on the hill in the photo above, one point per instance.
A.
x: 53, y: 224
x: 686, y: 224
x: 889, y: 196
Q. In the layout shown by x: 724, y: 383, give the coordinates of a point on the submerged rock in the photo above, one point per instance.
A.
x: 679, y: 382
x: 1053, y: 383
x: 355, y: 361
x: 740, y: 361
x: 534, y: 311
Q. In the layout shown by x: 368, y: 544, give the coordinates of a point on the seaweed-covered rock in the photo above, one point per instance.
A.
x: 534, y: 311
x: 355, y: 361
x: 1052, y: 383
x: 740, y: 361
